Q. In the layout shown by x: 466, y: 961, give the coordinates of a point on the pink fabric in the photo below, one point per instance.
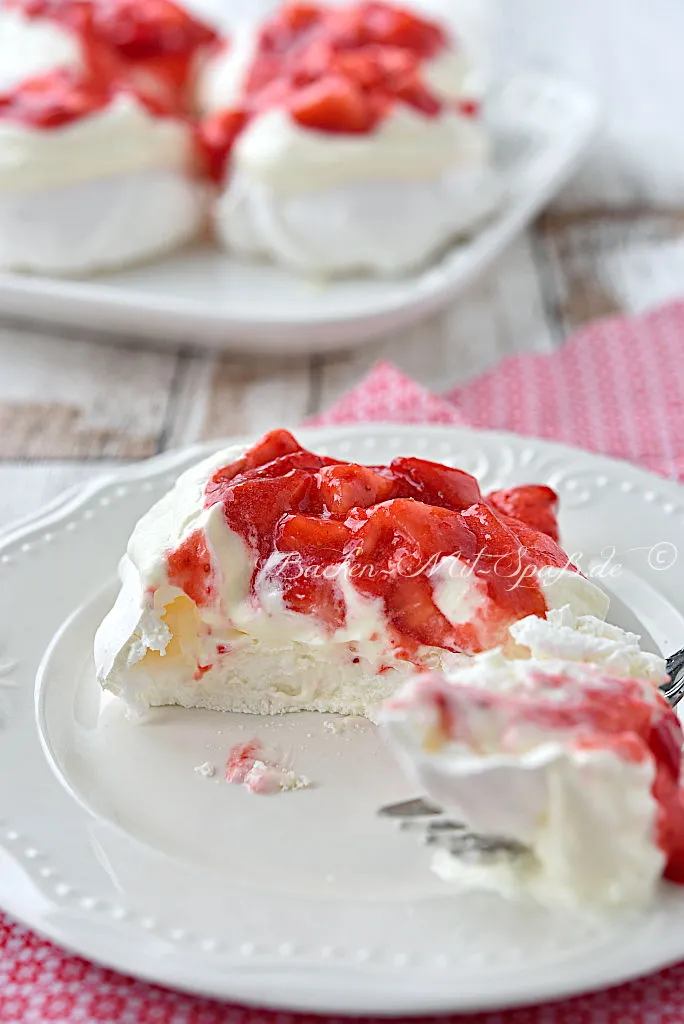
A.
x: 616, y: 387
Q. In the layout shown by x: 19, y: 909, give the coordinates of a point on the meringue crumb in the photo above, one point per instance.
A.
x: 340, y: 725
x: 260, y: 771
x: 267, y: 778
x: 206, y: 770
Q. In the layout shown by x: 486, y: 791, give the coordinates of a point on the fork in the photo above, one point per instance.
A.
x: 424, y: 818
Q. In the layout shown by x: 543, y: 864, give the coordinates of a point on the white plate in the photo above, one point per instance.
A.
x: 111, y: 844
x: 200, y: 296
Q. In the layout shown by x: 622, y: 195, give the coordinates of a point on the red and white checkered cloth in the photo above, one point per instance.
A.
x: 616, y: 387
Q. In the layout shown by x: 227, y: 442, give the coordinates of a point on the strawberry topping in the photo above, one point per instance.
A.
x: 309, y: 520
x: 190, y: 568
x: 534, y: 504
x: 339, y: 70
x: 151, y: 44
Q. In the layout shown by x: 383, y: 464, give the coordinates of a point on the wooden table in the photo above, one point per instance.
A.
x: 69, y: 408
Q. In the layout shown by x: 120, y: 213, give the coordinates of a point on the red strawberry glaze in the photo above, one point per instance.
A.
x: 151, y: 42
x: 159, y: 40
x: 628, y: 718
x: 308, y: 519
x: 65, y: 96
x: 339, y: 70
x: 534, y: 504
x: 190, y: 569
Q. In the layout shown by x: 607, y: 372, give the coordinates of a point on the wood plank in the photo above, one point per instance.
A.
x: 67, y: 399
x: 601, y: 263
x: 254, y: 395
x: 501, y: 313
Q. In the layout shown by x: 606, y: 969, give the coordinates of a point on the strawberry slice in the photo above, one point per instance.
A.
x: 144, y: 30
x: 504, y: 566
x: 316, y: 596
x: 309, y: 582
x: 316, y: 60
x: 436, y: 484
x: 254, y: 507
x: 296, y: 460
x: 415, y: 94
x: 533, y: 504
x: 360, y: 66
x: 395, y: 26
x: 401, y: 536
x: 539, y: 548
x: 289, y: 26
x: 190, y: 568
x: 347, y: 29
x: 418, y: 621
x: 347, y: 486
x: 265, y: 70
x: 300, y: 17
x: 393, y: 549
x: 313, y: 537
x: 56, y: 99
x: 271, y: 446
x: 333, y: 104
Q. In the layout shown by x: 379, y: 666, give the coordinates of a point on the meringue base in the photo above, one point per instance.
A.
x: 263, y: 680
x: 382, y: 228
x: 105, y: 223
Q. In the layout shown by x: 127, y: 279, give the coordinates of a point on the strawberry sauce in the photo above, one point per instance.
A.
x: 335, y: 70
x: 144, y: 47
x: 308, y: 519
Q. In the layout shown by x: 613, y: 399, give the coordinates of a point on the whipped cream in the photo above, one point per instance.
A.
x: 123, y: 138
x: 593, y: 845
x: 585, y: 815
x: 276, y: 152
x: 565, y: 636
x: 246, y: 651
x: 32, y: 46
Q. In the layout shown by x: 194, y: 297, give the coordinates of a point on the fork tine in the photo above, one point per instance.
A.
x: 673, y: 691
x: 439, y: 827
x: 445, y: 834
x: 469, y: 844
x: 417, y: 808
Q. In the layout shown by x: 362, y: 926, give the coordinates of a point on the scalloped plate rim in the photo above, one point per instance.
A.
x: 245, y: 982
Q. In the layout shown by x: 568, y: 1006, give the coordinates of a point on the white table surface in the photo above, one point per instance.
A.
x: 613, y: 242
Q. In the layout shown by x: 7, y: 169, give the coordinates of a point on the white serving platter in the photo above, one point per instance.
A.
x: 541, y: 125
